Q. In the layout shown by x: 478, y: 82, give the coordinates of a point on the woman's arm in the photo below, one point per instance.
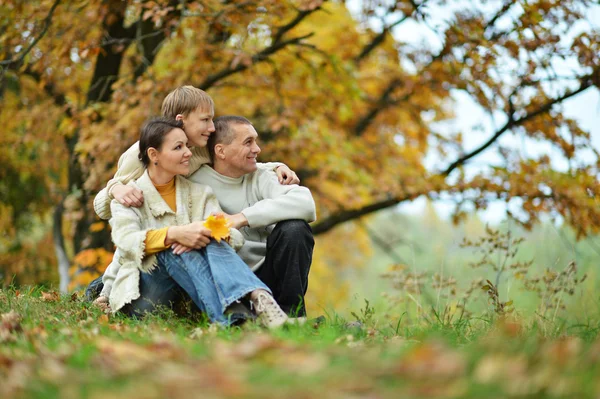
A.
x: 128, y: 233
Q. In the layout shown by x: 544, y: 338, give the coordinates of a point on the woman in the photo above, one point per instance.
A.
x: 149, y: 272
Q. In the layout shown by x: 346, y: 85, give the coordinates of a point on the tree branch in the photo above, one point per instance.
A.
x: 324, y: 225
x: 276, y: 45
x: 343, y: 216
x: 16, y: 63
x: 293, y: 23
x: 258, y: 57
x: 379, y: 38
x: 382, y: 103
x: 59, y: 98
x: 587, y: 83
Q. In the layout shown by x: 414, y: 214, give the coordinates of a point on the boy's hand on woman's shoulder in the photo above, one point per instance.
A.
x: 127, y: 195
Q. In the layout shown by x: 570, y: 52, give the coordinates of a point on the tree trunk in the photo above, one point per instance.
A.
x: 59, y: 248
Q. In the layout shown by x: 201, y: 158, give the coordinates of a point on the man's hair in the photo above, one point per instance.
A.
x: 153, y: 135
x: 185, y: 99
x: 224, y: 133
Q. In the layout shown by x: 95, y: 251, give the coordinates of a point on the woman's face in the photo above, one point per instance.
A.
x: 174, y: 156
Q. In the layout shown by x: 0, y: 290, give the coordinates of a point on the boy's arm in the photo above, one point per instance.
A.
x: 129, y: 168
x: 285, y: 175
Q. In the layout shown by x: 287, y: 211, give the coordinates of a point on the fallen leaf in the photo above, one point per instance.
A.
x: 433, y: 360
x: 218, y: 226
x: 50, y: 296
x: 10, y: 324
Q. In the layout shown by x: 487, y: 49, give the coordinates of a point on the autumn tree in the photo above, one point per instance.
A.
x: 351, y: 107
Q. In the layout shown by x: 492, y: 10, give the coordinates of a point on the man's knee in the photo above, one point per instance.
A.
x: 293, y: 230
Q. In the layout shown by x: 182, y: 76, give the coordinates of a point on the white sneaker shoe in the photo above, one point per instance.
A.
x: 268, y: 311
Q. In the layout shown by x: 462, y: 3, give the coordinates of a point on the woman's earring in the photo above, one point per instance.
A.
x: 155, y: 163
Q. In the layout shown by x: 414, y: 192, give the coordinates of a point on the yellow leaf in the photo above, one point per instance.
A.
x: 218, y: 226
x: 96, y: 227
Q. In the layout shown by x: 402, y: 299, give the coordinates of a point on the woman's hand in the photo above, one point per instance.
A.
x: 179, y: 249
x: 193, y: 235
x: 286, y: 176
x: 102, y: 303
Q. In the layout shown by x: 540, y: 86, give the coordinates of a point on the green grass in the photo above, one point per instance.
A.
x: 67, y: 348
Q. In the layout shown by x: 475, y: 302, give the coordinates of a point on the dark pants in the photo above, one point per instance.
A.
x: 285, y: 270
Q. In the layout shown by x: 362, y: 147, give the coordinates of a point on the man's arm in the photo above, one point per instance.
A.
x: 279, y: 203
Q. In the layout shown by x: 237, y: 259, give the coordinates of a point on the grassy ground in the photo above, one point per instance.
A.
x: 53, y: 346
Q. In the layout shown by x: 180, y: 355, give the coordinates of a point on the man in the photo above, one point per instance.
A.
x: 273, y: 218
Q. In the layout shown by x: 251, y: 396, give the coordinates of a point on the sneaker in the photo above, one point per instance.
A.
x: 268, y: 311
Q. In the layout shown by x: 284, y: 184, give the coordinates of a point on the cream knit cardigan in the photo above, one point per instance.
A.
x: 195, y: 202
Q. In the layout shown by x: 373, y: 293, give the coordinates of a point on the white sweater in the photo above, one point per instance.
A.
x: 195, y: 202
x: 263, y: 201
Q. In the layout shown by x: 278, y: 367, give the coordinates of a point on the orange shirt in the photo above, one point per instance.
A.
x: 155, y: 239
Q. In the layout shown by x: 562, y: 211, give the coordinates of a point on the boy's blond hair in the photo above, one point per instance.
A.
x: 186, y: 99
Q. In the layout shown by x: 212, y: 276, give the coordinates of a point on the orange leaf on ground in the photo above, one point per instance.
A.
x: 218, y: 226
x: 50, y: 296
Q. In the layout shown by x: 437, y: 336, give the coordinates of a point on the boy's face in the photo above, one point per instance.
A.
x: 198, y: 126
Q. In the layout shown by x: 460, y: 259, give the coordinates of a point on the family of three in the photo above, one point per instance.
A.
x: 185, y: 168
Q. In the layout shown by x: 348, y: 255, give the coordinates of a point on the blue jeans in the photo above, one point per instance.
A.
x: 214, y: 277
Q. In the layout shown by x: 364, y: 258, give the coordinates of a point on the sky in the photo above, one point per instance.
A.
x: 585, y: 108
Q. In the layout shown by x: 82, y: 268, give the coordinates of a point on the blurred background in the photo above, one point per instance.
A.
x: 446, y: 143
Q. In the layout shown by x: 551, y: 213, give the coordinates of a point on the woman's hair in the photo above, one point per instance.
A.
x: 153, y: 135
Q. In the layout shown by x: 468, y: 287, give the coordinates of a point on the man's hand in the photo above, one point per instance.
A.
x: 193, y: 235
x: 236, y: 221
x: 286, y: 176
x: 179, y: 249
x: 127, y: 195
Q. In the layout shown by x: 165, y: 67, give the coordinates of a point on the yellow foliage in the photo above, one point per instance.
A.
x: 218, y: 226
x: 96, y: 227
x: 88, y: 265
x: 337, y: 252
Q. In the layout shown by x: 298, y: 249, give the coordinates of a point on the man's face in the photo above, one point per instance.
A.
x: 198, y: 126
x: 240, y: 155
